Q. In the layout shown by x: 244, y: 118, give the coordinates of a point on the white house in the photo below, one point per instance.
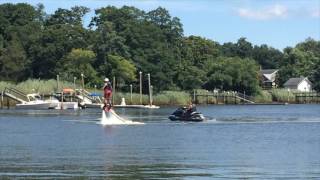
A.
x: 300, y: 84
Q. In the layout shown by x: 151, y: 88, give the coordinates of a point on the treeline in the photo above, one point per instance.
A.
x: 121, y: 42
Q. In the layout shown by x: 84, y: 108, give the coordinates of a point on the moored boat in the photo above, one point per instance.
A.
x: 35, y: 102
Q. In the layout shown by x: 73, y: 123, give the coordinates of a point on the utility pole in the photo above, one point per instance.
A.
x: 2, y: 99
x: 114, y: 88
x: 131, y: 93
x: 74, y: 83
x: 82, y: 80
x: 149, y: 87
x: 140, y: 76
x: 151, y: 99
x: 58, y: 86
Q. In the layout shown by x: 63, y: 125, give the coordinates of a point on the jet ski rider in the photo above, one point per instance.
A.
x: 191, y: 108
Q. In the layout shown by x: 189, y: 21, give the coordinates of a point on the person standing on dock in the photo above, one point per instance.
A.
x: 107, y: 91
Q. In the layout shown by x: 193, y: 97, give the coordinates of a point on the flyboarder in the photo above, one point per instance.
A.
x: 107, y: 91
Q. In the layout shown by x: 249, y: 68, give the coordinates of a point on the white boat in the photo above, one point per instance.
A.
x: 67, y: 105
x: 35, y: 102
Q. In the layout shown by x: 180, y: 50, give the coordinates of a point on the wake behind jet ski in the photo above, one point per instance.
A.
x: 187, y: 114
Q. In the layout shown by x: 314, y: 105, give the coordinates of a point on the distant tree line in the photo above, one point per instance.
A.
x: 122, y: 41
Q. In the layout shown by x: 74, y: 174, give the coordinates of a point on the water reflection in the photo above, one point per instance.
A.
x: 243, y: 143
x: 156, y: 171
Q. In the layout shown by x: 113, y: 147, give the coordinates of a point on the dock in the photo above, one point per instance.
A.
x: 241, y: 98
x: 10, y: 97
x: 307, y: 97
x: 137, y: 106
x: 222, y: 98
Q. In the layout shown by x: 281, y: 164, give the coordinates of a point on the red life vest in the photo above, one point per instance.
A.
x: 107, y: 89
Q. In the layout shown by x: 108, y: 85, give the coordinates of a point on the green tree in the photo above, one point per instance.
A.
x: 296, y: 63
x: 151, y: 40
x: 77, y: 62
x: 13, y: 62
x: 107, y: 41
x: 267, y: 57
x: 190, y: 78
x: 65, y: 16
x: 233, y: 74
x: 196, y: 54
x: 53, y: 44
x: 242, y: 49
x: 310, y: 45
x: 122, y: 69
x: 202, y: 50
x: 315, y: 77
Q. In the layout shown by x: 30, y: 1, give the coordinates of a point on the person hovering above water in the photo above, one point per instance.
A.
x: 107, y: 93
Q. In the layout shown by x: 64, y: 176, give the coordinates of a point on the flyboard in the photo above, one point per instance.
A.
x: 111, y: 118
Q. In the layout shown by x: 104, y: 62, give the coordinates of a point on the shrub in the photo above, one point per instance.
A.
x: 172, y: 98
x: 4, y: 84
x: 263, y: 97
x: 282, y: 95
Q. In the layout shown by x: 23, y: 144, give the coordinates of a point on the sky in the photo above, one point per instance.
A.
x: 277, y: 23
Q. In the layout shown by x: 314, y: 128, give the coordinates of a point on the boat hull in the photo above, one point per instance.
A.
x: 177, y: 118
x: 36, y: 106
x: 68, y: 105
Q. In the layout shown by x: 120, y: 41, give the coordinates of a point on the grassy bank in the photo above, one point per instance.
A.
x: 283, y: 95
x: 163, y: 98
x: 263, y: 97
x: 39, y: 86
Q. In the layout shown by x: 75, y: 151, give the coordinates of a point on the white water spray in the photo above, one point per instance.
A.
x: 111, y: 118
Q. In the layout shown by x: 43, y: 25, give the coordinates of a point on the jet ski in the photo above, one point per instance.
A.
x: 186, y: 114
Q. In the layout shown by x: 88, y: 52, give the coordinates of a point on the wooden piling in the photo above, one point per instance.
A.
x: 61, y: 104
x: 194, y: 96
x: 149, y: 88
x: 217, y: 96
x: 130, y: 93
x: 113, y: 89
x: 8, y: 103
x: 140, y: 82
x: 2, y: 99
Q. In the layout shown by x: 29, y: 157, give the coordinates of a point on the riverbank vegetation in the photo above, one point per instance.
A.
x: 37, y: 86
x: 47, y: 87
x: 121, y: 42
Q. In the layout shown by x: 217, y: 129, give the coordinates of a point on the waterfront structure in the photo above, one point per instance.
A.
x: 301, y: 84
x: 268, y: 78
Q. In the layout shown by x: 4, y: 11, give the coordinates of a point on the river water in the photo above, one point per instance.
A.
x: 237, y: 142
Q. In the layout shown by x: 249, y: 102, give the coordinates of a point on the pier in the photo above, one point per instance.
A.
x: 307, y: 97
x: 241, y: 98
x: 222, y: 98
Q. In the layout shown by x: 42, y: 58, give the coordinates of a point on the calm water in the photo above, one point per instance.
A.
x: 238, y: 142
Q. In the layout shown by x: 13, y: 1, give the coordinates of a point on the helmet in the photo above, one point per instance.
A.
x: 106, y: 80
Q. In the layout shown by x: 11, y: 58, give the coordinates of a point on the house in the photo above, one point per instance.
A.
x: 300, y: 84
x: 268, y: 78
